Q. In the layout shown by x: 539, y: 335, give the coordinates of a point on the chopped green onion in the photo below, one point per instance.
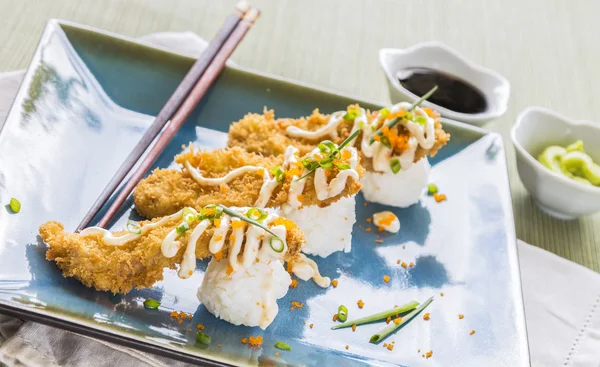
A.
x: 328, y: 159
x: 385, y: 332
x: 211, y: 212
x: 342, y: 166
x: 283, y: 346
x: 422, y: 120
x: 15, y: 205
x: 395, y: 165
x: 182, y: 227
x: 188, y: 214
x: 342, y: 313
x: 257, y: 214
x: 151, y: 304
x: 385, y: 141
x: 379, y: 316
x: 408, y: 115
x: 351, y: 115
x: 432, y: 189
x: 235, y: 214
x: 310, y: 163
x: 202, y: 338
x: 327, y: 146
x: 279, y: 174
x: 384, y: 112
x: 277, y: 244
x: 133, y: 227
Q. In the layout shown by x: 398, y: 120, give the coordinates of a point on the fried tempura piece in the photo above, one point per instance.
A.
x: 263, y: 134
x: 166, y: 191
x: 138, y: 263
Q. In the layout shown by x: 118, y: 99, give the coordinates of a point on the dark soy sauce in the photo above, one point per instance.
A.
x: 453, y: 93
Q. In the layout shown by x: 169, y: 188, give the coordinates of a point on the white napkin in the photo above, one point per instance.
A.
x: 562, y: 299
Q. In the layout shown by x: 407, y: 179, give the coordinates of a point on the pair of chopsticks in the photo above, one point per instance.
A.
x: 177, y: 109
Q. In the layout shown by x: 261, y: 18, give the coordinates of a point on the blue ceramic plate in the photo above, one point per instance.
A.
x: 87, y: 98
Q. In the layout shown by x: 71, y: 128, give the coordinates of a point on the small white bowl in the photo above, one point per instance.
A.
x: 537, y: 128
x: 436, y: 55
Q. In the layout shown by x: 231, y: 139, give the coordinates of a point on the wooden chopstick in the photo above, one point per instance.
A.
x: 174, y: 103
x: 206, y: 80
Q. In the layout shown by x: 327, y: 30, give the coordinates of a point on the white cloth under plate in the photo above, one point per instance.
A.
x: 562, y: 299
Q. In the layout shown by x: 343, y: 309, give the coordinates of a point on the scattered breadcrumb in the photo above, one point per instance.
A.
x: 366, y: 203
x: 461, y: 316
x: 334, y: 283
x: 426, y: 317
x: 369, y: 220
x: 345, y: 218
x: 418, y: 350
x: 472, y: 332
x: 386, y: 278
x: 360, y: 303
x: 219, y: 345
x: 404, y: 247
x: 441, y: 294
x: 379, y: 241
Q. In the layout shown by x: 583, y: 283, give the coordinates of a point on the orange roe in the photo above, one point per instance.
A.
x: 300, y: 198
x: 460, y: 316
x: 347, y: 347
x: 311, y: 325
x: 217, y: 223
x: 277, y: 354
x: 335, y: 317
x: 235, y: 224
x: 387, y: 220
x: 398, y: 262
x: 368, y: 229
x: 297, y: 304
x: 360, y: 303
x: 404, y: 265
x: 255, y: 341
x: 288, y: 224
x: 354, y: 327
x: 334, y: 283
x: 387, y: 321
x: 411, y: 265
x: 229, y: 270
x: 397, y: 320
x: 426, y: 316
x: 390, y: 346
x: 200, y: 327
x: 294, y: 283
x: 369, y: 220
x: 439, y: 197
x: 429, y: 354
x: 386, y: 278
x: 244, y: 340
x: 223, y: 188
x: 380, y: 229
x: 218, y: 256
x: 260, y: 171
x: 472, y: 332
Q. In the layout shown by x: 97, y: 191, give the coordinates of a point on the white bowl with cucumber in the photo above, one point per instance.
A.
x: 558, y: 162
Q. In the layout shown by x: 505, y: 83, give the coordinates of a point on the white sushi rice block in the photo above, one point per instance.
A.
x: 402, y: 189
x: 328, y: 229
x: 245, y: 297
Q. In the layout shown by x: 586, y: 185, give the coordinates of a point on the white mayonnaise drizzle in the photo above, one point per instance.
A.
x: 423, y: 135
x: 306, y: 268
x: 256, y: 246
x: 204, y: 181
x: 387, y: 220
x: 329, y: 129
x: 337, y: 185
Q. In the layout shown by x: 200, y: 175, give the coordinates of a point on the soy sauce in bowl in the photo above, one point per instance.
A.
x: 453, y: 93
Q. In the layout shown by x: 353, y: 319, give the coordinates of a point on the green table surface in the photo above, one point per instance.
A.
x: 546, y: 48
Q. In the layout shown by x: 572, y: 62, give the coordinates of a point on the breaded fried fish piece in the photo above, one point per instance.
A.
x: 165, y: 190
x: 97, y: 262
x: 266, y: 135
